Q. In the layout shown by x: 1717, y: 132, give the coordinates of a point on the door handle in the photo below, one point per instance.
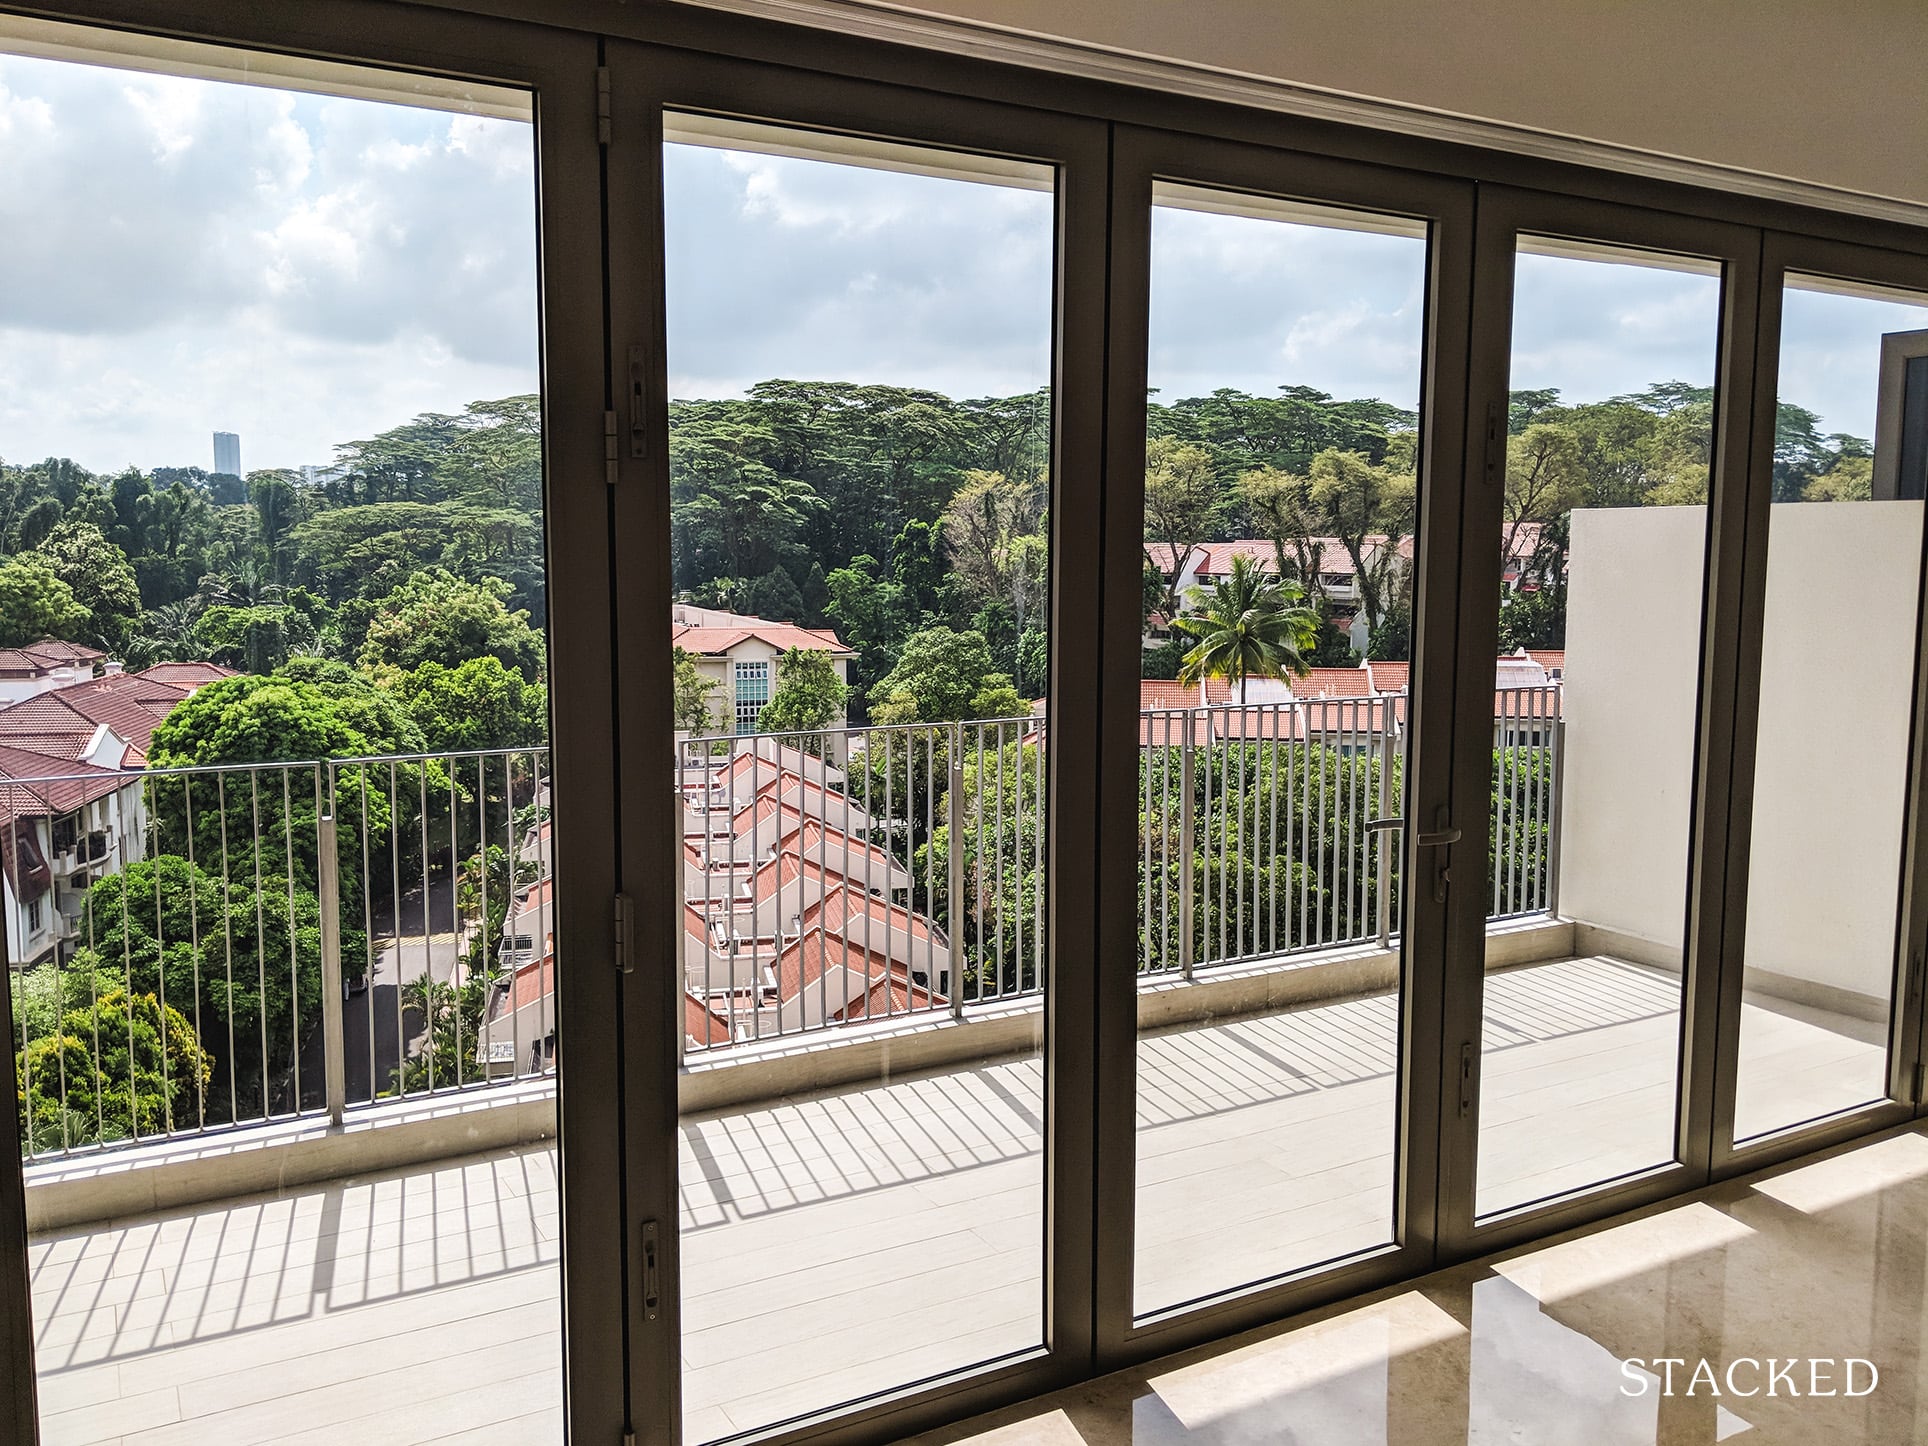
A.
x: 1438, y: 839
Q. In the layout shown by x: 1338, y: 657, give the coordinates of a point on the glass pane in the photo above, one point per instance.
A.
x: 859, y: 346
x: 277, y: 833
x: 1280, y: 504
x: 1596, y: 693
x: 1825, y: 862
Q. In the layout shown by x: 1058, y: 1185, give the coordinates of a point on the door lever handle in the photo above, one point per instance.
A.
x: 1440, y: 838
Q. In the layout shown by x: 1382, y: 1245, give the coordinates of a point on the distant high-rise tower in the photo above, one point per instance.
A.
x: 227, y: 453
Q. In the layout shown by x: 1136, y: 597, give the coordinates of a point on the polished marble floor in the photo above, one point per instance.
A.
x: 1827, y: 1260
x: 841, y: 1243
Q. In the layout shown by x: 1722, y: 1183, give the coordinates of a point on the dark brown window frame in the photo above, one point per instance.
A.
x: 614, y: 1174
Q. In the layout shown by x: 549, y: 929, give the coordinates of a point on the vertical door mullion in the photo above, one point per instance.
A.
x: 1745, y: 646
x: 1118, y: 744
x: 639, y: 530
x: 1706, y: 1104
x: 1083, y: 561
x: 1427, y: 1077
x: 582, y: 653
x: 20, y: 1415
x: 1462, y: 1015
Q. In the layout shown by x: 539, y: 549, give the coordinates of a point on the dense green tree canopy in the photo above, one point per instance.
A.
x: 809, y: 695
x: 943, y: 675
x: 474, y: 705
x: 260, y: 718
x: 35, y: 604
x: 437, y: 617
x: 102, y: 581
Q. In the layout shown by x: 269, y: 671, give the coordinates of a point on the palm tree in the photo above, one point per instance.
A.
x: 1249, y: 625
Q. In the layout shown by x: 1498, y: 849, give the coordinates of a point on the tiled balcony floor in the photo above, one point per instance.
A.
x: 844, y: 1243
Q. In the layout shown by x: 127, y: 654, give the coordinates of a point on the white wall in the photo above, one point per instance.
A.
x: 1836, y: 686
x: 1836, y: 689
x: 1826, y: 93
x: 1633, y: 655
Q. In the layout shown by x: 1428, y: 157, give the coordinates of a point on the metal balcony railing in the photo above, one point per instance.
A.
x: 289, y: 940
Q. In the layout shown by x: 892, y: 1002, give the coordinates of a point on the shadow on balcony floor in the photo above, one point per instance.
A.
x: 835, y: 1244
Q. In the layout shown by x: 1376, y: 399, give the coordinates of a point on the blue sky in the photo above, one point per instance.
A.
x: 184, y: 256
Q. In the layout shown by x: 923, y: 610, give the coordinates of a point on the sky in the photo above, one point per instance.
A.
x: 186, y: 256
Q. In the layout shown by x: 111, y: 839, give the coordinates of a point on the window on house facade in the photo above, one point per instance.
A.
x: 752, y: 692
x: 36, y: 915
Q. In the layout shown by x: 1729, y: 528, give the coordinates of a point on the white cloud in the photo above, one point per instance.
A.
x: 186, y: 255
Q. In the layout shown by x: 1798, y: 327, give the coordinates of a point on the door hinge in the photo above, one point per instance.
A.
x: 609, y: 448
x: 1465, y: 1080
x: 625, y: 923
x: 602, y: 105
x: 652, y: 1276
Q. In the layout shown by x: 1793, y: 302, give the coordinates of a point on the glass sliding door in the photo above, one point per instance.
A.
x: 281, y: 876
x: 1837, y: 690
x: 1608, y: 453
x: 860, y: 422
x: 1281, y: 507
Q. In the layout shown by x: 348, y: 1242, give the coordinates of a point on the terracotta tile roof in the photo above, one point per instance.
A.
x: 1549, y: 658
x: 712, y: 642
x: 130, y: 705
x: 51, y: 786
x: 1163, y: 693
x: 187, y: 675
x: 60, y: 747
x: 701, y: 1024
x: 817, y: 952
x: 56, y: 653
x: 1541, y: 702
x: 1331, y: 683
x: 19, y: 663
x: 1389, y: 677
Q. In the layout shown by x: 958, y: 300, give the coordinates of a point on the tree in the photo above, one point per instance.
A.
x: 127, y: 1066
x: 1849, y: 480
x: 1544, y: 478
x: 1248, y: 625
x: 102, y: 582
x: 992, y: 534
x: 35, y: 604
x: 241, y: 965
x: 1183, y: 501
x: 256, y: 639
x: 809, y: 695
x: 941, y: 676
x: 1370, y: 510
x: 691, y: 694
x: 276, y: 498
x: 451, y: 1018
x: 478, y: 704
x: 438, y: 617
x: 1282, y: 506
x: 284, y: 716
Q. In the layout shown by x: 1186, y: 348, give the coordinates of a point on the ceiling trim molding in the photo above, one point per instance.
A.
x: 905, y: 26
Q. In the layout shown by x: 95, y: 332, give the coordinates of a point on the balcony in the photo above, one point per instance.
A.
x: 311, y: 1249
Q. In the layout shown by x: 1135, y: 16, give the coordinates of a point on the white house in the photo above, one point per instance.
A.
x: 739, y: 654
x: 41, y: 667
x: 64, y: 823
